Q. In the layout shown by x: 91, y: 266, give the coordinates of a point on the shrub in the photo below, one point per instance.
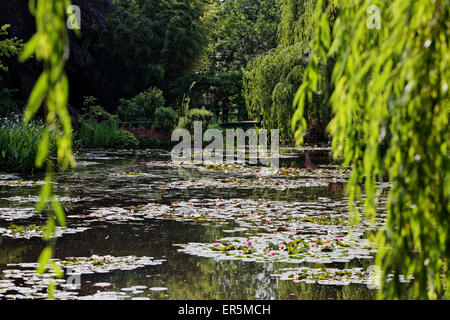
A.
x: 165, y: 119
x: 100, y: 129
x: 142, y: 107
x: 125, y: 140
x: 19, y: 145
x: 91, y: 110
x: 207, y: 118
x: 93, y: 134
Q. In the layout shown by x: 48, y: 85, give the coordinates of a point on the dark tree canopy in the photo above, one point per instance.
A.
x: 150, y: 43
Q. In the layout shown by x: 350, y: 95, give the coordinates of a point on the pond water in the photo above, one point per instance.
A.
x: 143, y: 227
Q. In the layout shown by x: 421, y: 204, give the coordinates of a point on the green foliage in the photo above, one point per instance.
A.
x: 149, y: 43
x: 125, y: 140
x: 216, y: 88
x: 165, y: 119
x: 104, y: 134
x: 270, y: 82
x: 9, y: 47
x: 240, y: 30
x: 93, y: 111
x: 391, y: 87
x: 100, y: 129
x: 50, y: 44
x: 207, y: 118
x: 19, y: 145
x: 296, y: 25
x: 142, y: 107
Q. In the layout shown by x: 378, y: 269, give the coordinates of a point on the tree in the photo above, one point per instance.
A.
x: 391, y: 87
x: 149, y: 43
x: 240, y: 30
x: 271, y: 80
x: 9, y: 47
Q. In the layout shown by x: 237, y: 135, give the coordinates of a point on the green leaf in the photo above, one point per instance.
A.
x: 37, y: 96
x: 43, y: 149
x: 29, y: 48
x: 59, y: 212
x: 44, y: 259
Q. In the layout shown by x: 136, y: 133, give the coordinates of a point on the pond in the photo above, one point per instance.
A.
x: 143, y: 227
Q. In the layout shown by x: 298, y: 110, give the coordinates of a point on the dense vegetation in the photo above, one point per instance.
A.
x: 391, y: 87
x: 142, y: 46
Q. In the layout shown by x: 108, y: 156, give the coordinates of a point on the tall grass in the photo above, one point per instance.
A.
x: 93, y: 134
x: 19, y: 145
x: 104, y: 134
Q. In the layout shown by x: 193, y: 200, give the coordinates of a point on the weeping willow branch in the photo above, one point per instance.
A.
x: 50, y: 46
x: 391, y: 111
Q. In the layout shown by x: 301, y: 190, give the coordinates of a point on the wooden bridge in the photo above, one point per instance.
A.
x: 225, y: 113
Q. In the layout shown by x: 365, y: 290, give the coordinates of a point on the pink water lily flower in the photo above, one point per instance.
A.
x: 215, y: 244
x: 296, y: 277
x: 249, y: 243
x: 272, y: 253
x: 282, y: 247
x: 326, y: 245
x: 312, y: 244
x: 268, y: 220
x: 340, y: 239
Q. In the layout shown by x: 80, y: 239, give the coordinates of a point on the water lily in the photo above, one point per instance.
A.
x: 296, y: 277
x: 215, y: 244
x: 282, y: 247
x: 312, y: 244
x: 326, y: 245
x: 249, y: 243
x: 268, y: 220
x: 272, y: 253
x: 340, y: 239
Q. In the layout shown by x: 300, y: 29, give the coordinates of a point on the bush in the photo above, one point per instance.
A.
x: 93, y: 134
x: 100, y: 129
x: 142, y: 107
x: 165, y: 119
x: 125, y: 140
x: 19, y: 145
x: 207, y: 118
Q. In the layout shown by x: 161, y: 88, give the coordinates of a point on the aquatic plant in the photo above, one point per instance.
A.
x: 19, y: 145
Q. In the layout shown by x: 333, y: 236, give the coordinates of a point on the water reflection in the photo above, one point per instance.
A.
x: 100, y: 182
